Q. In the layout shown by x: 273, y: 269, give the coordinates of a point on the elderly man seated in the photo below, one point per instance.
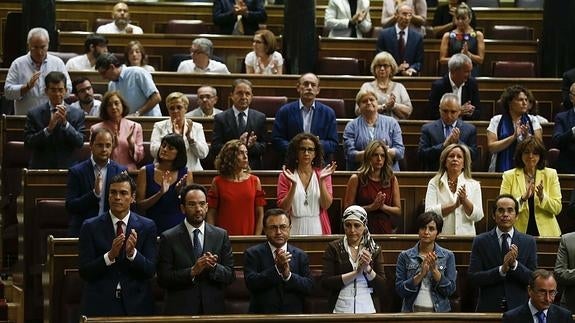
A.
x: 201, y: 62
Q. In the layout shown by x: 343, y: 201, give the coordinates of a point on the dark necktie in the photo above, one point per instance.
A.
x: 401, y: 46
x: 504, y: 244
x: 197, y: 245
x: 540, y: 317
x: 119, y: 228
x: 241, y: 122
x: 448, y: 130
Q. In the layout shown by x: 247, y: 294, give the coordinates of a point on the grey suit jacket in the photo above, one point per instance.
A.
x: 565, y: 269
x: 187, y: 295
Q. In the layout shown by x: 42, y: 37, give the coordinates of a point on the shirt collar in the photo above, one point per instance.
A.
x: 191, y: 228
x: 96, y: 165
x: 273, y: 248
x: 236, y: 111
x: 453, y: 86
x: 397, y: 30
x: 301, y: 105
x: 115, y: 219
x: 499, y: 232
x: 534, y: 310
x: 452, y: 125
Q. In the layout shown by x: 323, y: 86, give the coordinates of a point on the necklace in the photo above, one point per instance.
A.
x: 530, y: 178
x: 452, y: 184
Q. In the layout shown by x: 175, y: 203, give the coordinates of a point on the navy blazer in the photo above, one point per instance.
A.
x: 81, y: 202
x: 226, y: 129
x: 224, y: 17
x: 522, y: 314
x: 563, y: 139
x: 54, y: 151
x: 134, y: 277
x: 187, y: 295
x: 270, y: 294
x: 433, y: 136
x: 469, y: 92
x: 568, y: 79
x: 289, y: 122
x: 413, y: 53
x: 484, y: 271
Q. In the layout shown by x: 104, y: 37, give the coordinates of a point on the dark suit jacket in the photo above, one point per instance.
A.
x: 96, y: 236
x: 433, y: 136
x: 187, y: 295
x: 413, y: 54
x: 226, y: 128
x: 57, y: 149
x: 522, y: 314
x: 469, y: 92
x: 484, y: 271
x: 224, y: 17
x: 568, y: 79
x: 563, y: 139
x: 270, y: 294
x: 81, y: 202
x: 289, y: 122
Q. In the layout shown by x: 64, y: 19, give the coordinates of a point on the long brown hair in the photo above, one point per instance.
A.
x: 366, y: 168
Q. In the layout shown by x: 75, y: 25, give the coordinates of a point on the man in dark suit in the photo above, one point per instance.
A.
x: 277, y: 274
x: 88, y: 181
x: 194, y: 267
x: 117, y: 252
x: 568, y: 80
x: 564, y: 137
x: 447, y: 130
x: 540, y: 308
x: 460, y: 82
x: 403, y: 43
x: 241, y: 122
x: 239, y: 17
x: 502, y: 260
x: 307, y: 115
x: 53, y: 131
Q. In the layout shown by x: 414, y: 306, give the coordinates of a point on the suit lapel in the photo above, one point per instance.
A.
x: 186, y: 241
x: 495, y: 245
x: 45, y: 114
x: 209, y: 238
x: 232, y: 123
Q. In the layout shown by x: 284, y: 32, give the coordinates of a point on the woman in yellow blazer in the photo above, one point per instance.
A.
x: 536, y: 187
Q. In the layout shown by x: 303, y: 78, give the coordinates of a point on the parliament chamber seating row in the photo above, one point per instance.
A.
x: 162, y: 49
x: 62, y: 289
x: 42, y: 213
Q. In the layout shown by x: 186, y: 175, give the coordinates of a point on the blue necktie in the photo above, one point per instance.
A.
x: 197, y: 245
x: 448, y: 130
x: 504, y: 244
x: 540, y: 317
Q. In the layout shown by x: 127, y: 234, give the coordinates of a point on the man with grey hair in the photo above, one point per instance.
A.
x: 459, y: 82
x: 207, y: 99
x: 201, y: 62
x: 25, y: 79
x: 448, y: 129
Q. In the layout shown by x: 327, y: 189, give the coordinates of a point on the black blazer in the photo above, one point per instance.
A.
x: 224, y: 17
x: 433, y: 136
x: 226, y: 128
x: 96, y: 236
x: 469, y: 92
x: 522, y: 314
x: 81, y: 202
x: 57, y: 149
x: 187, y: 295
x: 270, y: 294
x: 484, y: 271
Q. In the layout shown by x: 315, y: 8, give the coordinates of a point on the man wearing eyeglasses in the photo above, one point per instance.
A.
x: 195, y: 262
x: 564, y: 137
x: 207, y: 99
x: 201, y: 52
x: 540, y: 308
x: 277, y: 274
x: 502, y: 260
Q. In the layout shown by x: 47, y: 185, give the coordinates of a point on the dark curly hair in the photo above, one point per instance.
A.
x: 293, y: 150
x: 227, y: 159
x: 531, y: 144
x: 176, y: 141
x: 510, y: 93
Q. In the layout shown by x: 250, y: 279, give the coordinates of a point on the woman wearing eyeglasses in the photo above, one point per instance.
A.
x: 264, y: 59
x: 370, y: 126
x: 392, y: 97
x: 304, y: 186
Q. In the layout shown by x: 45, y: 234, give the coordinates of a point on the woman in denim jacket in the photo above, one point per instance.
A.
x: 425, y: 274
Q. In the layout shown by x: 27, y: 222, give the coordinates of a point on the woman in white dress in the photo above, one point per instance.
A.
x: 264, y: 59
x: 304, y: 186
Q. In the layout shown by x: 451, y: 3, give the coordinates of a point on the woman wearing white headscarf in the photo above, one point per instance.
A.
x: 353, y: 267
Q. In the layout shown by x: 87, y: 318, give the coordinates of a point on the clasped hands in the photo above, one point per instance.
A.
x: 282, y: 261
x: 249, y: 139
x: 58, y: 117
x: 207, y: 260
x: 510, y: 258
x: 364, y: 262
x: 429, y: 264
x: 532, y: 189
x: 118, y: 244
